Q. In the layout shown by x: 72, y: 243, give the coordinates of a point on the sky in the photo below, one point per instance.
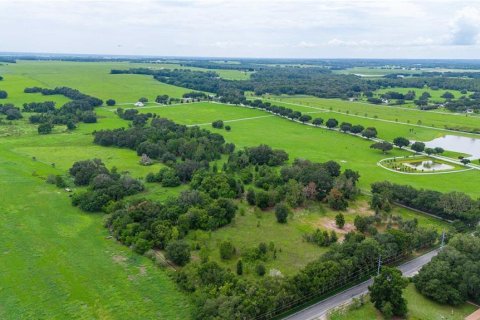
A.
x: 245, y: 28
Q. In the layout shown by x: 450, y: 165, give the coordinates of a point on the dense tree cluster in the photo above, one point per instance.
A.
x: 138, y: 119
x: 386, y: 292
x: 166, y: 141
x: 452, y: 205
x: 39, y: 107
x: 105, y: 186
x: 453, y: 276
x: 11, y: 112
x: 196, y: 95
x: 156, y: 225
x: 79, y: 109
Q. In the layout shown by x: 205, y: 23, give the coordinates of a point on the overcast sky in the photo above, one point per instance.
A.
x: 245, y: 28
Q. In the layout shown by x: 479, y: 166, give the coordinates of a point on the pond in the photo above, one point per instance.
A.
x: 428, y: 165
x: 460, y: 144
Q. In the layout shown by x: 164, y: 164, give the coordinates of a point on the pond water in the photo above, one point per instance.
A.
x: 460, y: 144
x: 428, y: 165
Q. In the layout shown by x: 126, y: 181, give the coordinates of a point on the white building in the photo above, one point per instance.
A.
x: 138, y: 104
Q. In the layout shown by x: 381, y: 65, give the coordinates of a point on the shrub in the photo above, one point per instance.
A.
x: 281, y: 212
x: 227, y: 250
x: 178, y: 252
x: 260, y: 269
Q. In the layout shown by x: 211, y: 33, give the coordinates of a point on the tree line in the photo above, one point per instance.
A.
x: 456, y: 206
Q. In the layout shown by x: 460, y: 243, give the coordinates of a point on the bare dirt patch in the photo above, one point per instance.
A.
x: 362, y: 209
x: 327, y: 223
x: 142, y: 270
x: 119, y: 259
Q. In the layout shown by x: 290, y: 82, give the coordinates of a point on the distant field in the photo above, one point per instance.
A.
x: 413, y: 124
x: 227, y: 74
x: 88, y: 77
x: 436, y: 94
x: 374, y: 72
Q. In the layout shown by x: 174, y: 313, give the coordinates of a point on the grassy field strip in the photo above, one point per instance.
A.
x: 158, y: 105
x: 414, y: 109
x: 376, y: 119
x: 228, y: 121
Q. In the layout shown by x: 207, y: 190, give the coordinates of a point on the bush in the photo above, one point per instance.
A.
x: 281, y: 212
x: 340, y: 220
x: 251, y: 198
x: 111, y: 102
x: 239, y: 267
x: 227, y: 250
x: 178, y: 252
x: 45, y: 128
x: 218, y: 124
x: 260, y: 269
x: 262, y: 199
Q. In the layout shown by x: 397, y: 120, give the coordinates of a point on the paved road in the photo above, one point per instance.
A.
x: 321, y: 308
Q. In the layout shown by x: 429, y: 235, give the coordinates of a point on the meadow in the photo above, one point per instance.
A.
x: 57, y: 262
x: 60, y: 263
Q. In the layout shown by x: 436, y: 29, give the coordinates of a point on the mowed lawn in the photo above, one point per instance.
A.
x: 399, y: 120
x: 316, y: 144
x: 419, y: 308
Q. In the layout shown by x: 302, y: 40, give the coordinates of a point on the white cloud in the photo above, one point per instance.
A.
x: 257, y: 28
x: 465, y: 27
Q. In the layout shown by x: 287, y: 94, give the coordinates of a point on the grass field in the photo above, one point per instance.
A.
x: 223, y: 73
x: 374, y: 72
x: 390, y: 121
x: 419, y: 308
x: 57, y: 262
x: 88, y: 77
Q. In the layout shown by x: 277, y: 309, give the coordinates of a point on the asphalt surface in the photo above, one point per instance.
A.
x: 321, y: 308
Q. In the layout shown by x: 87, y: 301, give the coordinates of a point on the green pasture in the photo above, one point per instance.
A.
x: 57, y: 262
x: 391, y: 121
x: 436, y: 94
x: 227, y: 74
x: 374, y: 71
x: 89, y: 77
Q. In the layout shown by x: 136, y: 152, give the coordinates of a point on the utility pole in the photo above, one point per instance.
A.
x: 443, y: 240
x: 379, y: 264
